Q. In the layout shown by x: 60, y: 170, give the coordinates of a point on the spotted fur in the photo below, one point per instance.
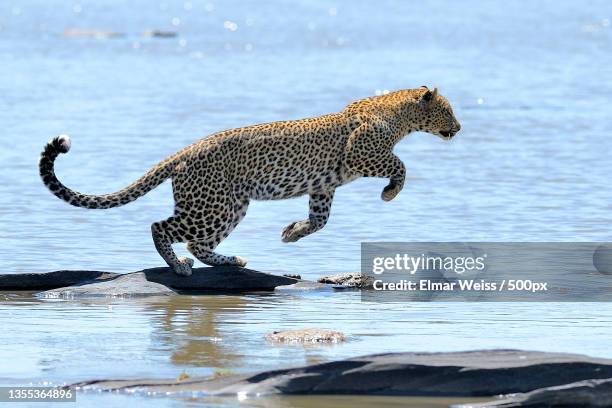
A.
x: 215, y: 178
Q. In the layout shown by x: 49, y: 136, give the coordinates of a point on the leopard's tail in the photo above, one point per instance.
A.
x: 140, y: 187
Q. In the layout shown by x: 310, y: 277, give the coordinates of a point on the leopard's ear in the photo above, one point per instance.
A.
x: 427, y: 97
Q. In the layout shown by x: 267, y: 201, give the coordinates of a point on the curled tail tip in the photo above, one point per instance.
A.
x: 55, y: 146
x: 61, y: 143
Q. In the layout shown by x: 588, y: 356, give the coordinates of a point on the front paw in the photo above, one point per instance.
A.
x: 293, y: 231
x: 390, y: 192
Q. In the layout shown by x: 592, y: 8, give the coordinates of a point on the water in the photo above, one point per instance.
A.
x: 530, y: 83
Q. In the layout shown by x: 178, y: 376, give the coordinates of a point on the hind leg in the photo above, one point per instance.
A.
x: 217, y: 229
x: 204, y: 251
x: 165, y: 233
x: 320, y: 206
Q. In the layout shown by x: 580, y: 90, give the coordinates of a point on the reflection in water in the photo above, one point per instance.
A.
x: 58, y: 340
x: 207, y: 330
x: 95, y: 400
x: 189, y: 327
x: 350, y: 401
x: 159, y: 337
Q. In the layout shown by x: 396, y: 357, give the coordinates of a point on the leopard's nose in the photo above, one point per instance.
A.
x: 457, y: 127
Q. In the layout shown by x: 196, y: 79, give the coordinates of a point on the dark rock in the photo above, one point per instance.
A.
x: 154, y: 281
x: 588, y: 393
x: 51, y: 280
x: 218, y: 278
x: 462, y: 374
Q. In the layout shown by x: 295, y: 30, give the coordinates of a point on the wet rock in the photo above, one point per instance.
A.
x: 160, y: 34
x: 130, y: 284
x: 349, y: 279
x: 462, y: 374
x: 51, y: 280
x: 98, y: 34
x: 303, y: 285
x: 306, y: 336
x: 588, y: 393
x: 154, y: 281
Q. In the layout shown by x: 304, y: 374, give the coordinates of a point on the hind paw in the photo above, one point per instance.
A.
x: 390, y: 192
x: 184, y: 266
x: 240, y: 261
x: 294, y: 231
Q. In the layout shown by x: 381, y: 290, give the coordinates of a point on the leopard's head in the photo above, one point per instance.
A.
x: 435, y: 115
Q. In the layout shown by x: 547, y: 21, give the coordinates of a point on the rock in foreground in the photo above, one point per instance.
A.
x: 588, y: 393
x: 462, y: 374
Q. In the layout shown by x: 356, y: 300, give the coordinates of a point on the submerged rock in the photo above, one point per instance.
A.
x: 462, y: 374
x: 154, y: 281
x: 98, y: 34
x: 130, y: 284
x: 306, y: 336
x: 349, y: 279
x: 160, y: 34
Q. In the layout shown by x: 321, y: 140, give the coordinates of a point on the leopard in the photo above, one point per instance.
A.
x: 215, y: 178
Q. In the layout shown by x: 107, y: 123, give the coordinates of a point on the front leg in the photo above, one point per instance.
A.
x: 396, y: 173
x: 370, y: 154
x: 320, y: 206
